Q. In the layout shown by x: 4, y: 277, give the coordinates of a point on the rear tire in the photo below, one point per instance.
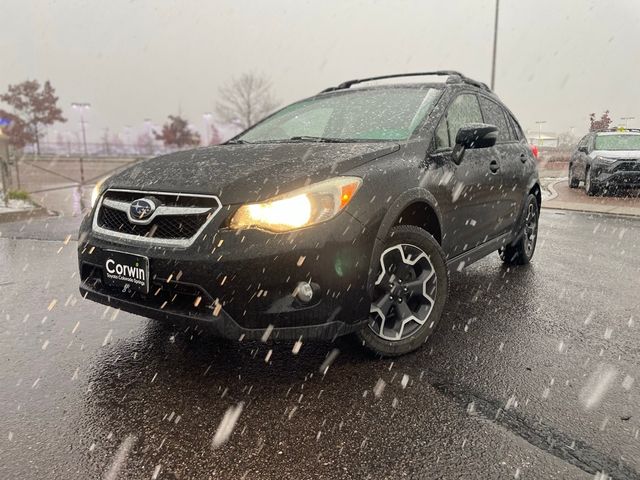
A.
x: 589, y: 186
x: 410, y: 291
x: 521, y: 252
x: 573, y: 181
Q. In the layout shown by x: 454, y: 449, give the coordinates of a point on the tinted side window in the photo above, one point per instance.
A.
x: 464, y: 109
x: 517, y: 131
x: 509, y: 132
x: 584, y: 141
x: 494, y: 115
x: 442, y: 134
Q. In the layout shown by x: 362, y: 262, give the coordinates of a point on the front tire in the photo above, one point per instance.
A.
x: 573, y: 181
x: 521, y: 252
x: 409, y: 294
x: 589, y: 186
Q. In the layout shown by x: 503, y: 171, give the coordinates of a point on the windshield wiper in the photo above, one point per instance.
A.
x: 236, y: 141
x: 309, y: 138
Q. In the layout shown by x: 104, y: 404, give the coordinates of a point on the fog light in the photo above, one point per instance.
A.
x: 303, y: 292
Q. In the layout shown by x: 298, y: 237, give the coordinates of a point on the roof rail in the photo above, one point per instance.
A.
x: 454, y: 77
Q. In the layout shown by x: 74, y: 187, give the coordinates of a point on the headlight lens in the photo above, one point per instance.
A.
x: 303, y: 207
x: 605, y: 160
x: 97, y: 190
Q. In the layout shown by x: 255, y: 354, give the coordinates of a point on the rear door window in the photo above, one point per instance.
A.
x: 515, y: 128
x: 494, y: 115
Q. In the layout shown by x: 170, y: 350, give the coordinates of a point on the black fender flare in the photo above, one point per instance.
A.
x: 396, y: 207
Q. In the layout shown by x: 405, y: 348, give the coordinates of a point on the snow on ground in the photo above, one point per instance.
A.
x: 15, y: 205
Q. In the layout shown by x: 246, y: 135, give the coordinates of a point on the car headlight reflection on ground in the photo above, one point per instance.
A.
x: 303, y: 207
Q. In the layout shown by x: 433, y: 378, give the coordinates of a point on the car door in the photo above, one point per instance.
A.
x: 526, y: 168
x: 511, y: 159
x: 468, y: 190
x: 580, y: 157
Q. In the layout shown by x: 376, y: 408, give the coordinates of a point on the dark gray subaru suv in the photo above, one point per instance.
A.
x: 342, y: 213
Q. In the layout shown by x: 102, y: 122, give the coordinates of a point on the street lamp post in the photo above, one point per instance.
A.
x: 106, y: 141
x: 626, y: 120
x: 82, y: 106
x: 495, y: 46
x: 207, y: 116
x: 129, y: 139
x: 539, y: 123
x: 148, y: 132
x: 4, y: 163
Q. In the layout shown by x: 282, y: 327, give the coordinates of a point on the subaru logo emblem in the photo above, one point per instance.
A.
x: 142, y: 208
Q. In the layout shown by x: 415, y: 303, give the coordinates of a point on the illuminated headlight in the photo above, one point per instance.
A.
x: 605, y: 160
x: 97, y: 190
x: 303, y: 207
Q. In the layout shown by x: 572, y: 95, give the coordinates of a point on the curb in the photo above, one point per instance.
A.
x: 631, y: 216
x: 580, y: 208
x: 22, y: 215
x: 554, y: 194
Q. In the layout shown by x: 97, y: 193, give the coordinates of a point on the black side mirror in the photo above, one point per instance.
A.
x: 583, y: 149
x: 474, y: 135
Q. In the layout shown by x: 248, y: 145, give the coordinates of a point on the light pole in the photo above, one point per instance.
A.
x: 539, y: 123
x: 128, y: 138
x: 626, y: 120
x: 4, y: 164
x: 82, y: 106
x: 106, y: 141
x: 67, y: 137
x: 207, y: 121
x: 148, y: 133
x: 495, y: 46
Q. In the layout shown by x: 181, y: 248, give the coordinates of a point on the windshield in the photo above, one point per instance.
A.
x: 358, y: 115
x: 618, y: 142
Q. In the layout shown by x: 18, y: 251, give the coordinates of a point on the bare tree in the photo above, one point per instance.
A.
x: 246, y: 100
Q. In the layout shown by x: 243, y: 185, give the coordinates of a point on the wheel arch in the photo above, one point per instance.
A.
x: 417, y: 207
x: 537, y: 192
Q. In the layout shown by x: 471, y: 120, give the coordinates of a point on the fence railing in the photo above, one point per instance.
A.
x: 99, y: 149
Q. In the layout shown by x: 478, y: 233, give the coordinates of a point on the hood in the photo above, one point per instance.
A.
x: 617, y: 154
x: 247, y: 173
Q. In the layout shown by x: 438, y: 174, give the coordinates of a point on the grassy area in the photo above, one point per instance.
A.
x: 18, y: 195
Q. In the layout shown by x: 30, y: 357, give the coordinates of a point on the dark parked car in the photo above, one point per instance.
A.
x: 606, y: 161
x: 342, y: 213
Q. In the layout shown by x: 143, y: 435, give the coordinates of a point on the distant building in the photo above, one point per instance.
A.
x: 542, y: 139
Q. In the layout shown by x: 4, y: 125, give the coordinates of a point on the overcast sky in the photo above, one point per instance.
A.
x: 558, y: 60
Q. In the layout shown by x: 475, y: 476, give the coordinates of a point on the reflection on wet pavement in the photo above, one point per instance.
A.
x: 88, y: 392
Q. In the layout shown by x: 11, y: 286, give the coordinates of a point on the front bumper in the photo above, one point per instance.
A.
x: 621, y: 174
x: 241, y: 284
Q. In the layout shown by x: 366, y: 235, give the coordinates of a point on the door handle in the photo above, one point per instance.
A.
x: 523, y: 157
x: 493, y: 166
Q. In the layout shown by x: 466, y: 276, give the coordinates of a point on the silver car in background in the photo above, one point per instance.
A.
x: 606, y: 161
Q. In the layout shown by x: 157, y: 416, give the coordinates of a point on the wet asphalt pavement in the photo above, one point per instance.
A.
x: 533, y: 373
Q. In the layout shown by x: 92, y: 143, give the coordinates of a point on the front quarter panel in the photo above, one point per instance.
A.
x: 390, y: 185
